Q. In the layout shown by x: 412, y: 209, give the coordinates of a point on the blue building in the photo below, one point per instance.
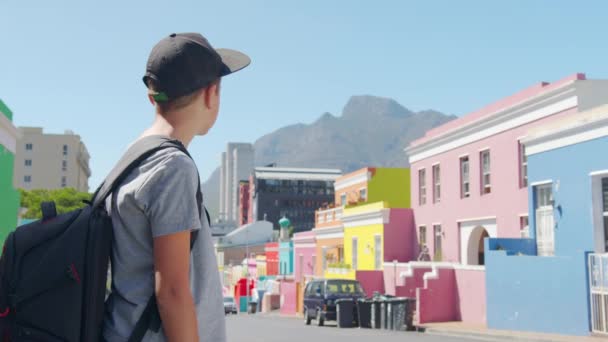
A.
x: 286, y: 258
x: 542, y: 283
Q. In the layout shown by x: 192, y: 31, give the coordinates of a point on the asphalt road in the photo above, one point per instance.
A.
x: 264, y: 328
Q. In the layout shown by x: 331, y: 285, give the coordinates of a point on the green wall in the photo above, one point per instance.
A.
x: 391, y: 185
x: 6, y: 111
x: 9, y: 201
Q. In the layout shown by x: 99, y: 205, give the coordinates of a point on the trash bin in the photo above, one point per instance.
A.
x: 345, y: 312
x: 410, y: 311
x: 397, y: 313
x: 252, y: 307
x: 378, y: 313
x: 375, y: 313
x: 364, y: 313
x: 383, y: 318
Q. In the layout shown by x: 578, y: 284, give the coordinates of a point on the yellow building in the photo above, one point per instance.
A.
x: 369, y: 204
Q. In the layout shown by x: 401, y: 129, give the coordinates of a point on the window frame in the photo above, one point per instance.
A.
x: 378, y: 252
x: 465, y: 193
x: 422, y: 235
x: 486, y: 187
x: 422, y: 186
x: 437, y: 237
x: 436, y: 171
x: 363, y: 194
x: 523, y: 165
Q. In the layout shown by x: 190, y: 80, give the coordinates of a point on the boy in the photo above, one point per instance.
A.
x: 154, y: 211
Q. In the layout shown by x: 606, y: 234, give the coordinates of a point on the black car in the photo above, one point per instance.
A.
x: 320, y: 298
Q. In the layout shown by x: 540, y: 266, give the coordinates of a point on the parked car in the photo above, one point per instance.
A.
x: 320, y: 298
x: 229, y: 305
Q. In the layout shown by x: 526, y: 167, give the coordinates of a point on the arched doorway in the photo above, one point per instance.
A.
x: 475, y: 247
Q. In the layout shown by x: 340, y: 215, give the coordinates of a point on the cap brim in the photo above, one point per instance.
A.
x: 233, y: 60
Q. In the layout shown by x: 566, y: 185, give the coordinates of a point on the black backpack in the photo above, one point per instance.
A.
x: 53, y: 272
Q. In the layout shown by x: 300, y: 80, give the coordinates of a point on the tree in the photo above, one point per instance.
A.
x: 66, y: 200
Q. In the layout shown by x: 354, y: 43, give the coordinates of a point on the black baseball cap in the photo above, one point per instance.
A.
x: 185, y: 62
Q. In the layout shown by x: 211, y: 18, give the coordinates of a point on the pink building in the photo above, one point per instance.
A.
x: 469, y: 182
x: 304, y: 258
x: 304, y: 250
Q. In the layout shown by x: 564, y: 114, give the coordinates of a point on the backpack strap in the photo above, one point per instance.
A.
x: 135, y: 155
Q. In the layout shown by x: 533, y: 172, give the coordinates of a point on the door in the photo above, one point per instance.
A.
x: 545, y: 223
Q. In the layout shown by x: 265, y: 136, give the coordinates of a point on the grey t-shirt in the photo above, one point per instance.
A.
x: 156, y: 199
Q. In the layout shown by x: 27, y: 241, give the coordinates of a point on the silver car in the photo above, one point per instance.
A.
x: 229, y: 305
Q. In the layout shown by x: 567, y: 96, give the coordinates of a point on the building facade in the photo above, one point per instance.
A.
x: 469, y: 175
x: 243, y: 216
x: 561, y: 268
x: 51, y: 161
x: 271, y: 250
x: 286, y: 258
x: 9, y: 205
x: 236, y: 166
x: 294, y: 193
x: 469, y: 183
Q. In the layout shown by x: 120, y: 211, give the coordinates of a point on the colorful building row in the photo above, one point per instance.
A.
x: 502, y: 221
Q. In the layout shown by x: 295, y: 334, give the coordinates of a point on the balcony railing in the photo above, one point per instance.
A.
x: 328, y: 215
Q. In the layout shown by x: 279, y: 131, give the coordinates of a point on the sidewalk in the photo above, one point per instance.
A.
x: 459, y: 329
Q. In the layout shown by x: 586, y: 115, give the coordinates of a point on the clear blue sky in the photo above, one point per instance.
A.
x: 78, y: 65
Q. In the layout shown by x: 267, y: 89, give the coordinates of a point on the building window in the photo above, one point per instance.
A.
x: 65, y: 150
x: 27, y: 179
x: 438, y: 236
x: 363, y: 194
x: 343, y: 199
x: 523, y: 166
x: 64, y: 181
x: 524, y: 227
x: 464, y: 178
x: 28, y: 162
x: 64, y: 165
x: 378, y: 252
x: 436, y: 184
x: 486, y: 185
x: 29, y: 147
x: 355, y: 252
x: 422, y: 236
x: 545, y: 223
x: 422, y: 186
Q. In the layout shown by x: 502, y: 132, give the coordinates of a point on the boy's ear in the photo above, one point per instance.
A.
x: 208, y: 94
x: 151, y: 99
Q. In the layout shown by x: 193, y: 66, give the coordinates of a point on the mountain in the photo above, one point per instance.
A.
x: 372, y: 131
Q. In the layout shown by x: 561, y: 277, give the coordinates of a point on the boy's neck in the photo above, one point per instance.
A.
x: 183, y: 132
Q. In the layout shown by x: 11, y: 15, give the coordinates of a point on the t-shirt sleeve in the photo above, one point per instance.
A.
x: 168, y: 196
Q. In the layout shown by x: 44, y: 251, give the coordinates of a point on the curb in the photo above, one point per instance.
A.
x: 507, y: 336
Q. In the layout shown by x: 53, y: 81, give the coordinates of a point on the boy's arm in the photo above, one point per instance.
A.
x: 172, y: 287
